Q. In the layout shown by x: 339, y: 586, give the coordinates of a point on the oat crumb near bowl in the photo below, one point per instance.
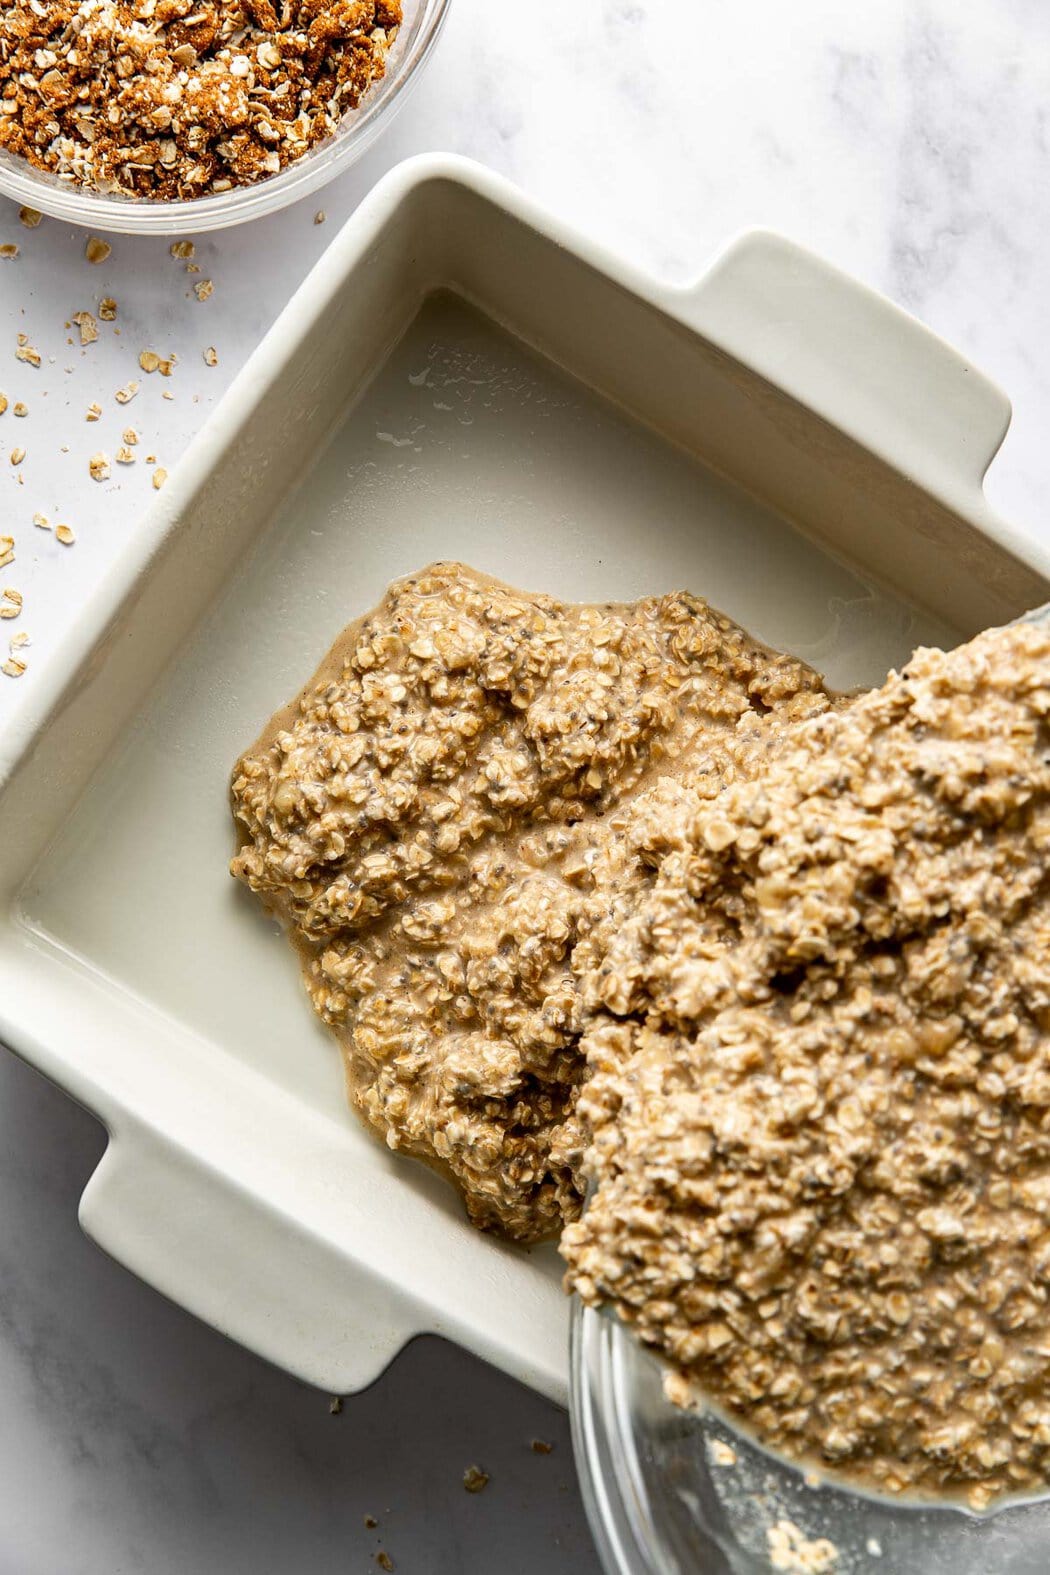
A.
x: 96, y: 250
x: 475, y: 1480
x: 793, y: 1553
x: 88, y: 327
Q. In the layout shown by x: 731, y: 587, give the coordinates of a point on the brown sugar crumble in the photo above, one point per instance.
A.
x: 174, y: 99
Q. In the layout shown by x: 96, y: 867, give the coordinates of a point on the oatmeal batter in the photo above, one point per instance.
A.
x: 819, y: 1040
x: 440, y: 821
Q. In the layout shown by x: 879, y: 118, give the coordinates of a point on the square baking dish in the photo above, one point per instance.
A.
x: 460, y: 377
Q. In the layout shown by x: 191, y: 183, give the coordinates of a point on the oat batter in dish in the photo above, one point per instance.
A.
x: 820, y: 1101
x: 439, y: 821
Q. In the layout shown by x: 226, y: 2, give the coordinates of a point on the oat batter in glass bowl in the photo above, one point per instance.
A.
x: 820, y: 1148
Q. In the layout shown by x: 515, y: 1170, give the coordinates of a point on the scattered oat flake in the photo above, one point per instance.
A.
x: 167, y: 365
x: 19, y: 641
x: 21, y: 410
x: 203, y: 289
x: 335, y: 1404
x: 183, y: 250
x: 320, y: 216
x: 722, y: 1454
x: 8, y: 249
x: 41, y: 521
x: 96, y: 250
x: 64, y: 534
x: 17, y: 455
x: 14, y: 667
x: 160, y: 476
x: 124, y: 456
x: 192, y: 268
x: 10, y: 603
x: 30, y: 217
x: 130, y: 436
x: 793, y: 1552
x: 149, y: 360
x: 26, y: 352
x: 384, y: 1560
x: 541, y: 1447
x: 475, y: 1480
x: 88, y: 327
x: 99, y: 467
x: 7, y: 551
x: 3, y: 403
x: 125, y: 395
x: 371, y: 1522
x: 107, y: 309
x: 211, y: 356
x: 94, y: 413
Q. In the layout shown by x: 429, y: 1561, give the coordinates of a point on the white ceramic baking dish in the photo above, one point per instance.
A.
x: 460, y: 376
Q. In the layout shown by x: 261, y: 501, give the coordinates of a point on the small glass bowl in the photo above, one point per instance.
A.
x: 34, y: 188
x: 671, y: 1492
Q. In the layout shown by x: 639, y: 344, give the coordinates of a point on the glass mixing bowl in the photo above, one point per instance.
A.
x: 139, y: 216
x: 670, y: 1492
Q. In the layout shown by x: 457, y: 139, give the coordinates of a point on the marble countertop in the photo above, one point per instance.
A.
x: 907, y: 142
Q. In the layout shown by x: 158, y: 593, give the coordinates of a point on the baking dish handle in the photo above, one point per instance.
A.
x: 867, y: 367
x: 249, y: 1271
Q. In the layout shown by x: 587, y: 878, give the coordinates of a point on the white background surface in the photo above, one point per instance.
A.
x: 909, y: 143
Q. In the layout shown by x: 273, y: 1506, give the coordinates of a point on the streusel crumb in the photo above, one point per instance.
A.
x: 175, y: 99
